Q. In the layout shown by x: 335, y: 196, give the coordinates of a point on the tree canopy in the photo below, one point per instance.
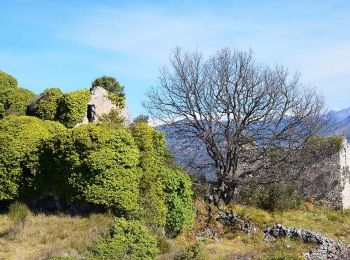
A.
x: 116, y: 91
x: 236, y: 108
x: 13, y: 99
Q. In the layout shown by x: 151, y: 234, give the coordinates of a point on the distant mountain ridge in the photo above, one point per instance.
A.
x: 341, y: 122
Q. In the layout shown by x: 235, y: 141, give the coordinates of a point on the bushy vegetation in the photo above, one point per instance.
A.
x: 2, y: 111
x: 127, y: 239
x: 192, y: 252
x: 72, y: 107
x: 20, y: 138
x: 95, y: 164
x: 166, y: 191
x: 112, y: 120
x: 46, y: 105
x: 18, y: 213
x: 126, y: 171
x: 272, y: 197
x: 13, y: 99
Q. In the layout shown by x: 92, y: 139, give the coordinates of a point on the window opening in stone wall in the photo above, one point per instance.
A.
x: 91, y: 113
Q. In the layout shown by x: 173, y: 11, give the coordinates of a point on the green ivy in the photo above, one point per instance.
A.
x: 72, y: 107
x: 178, y: 197
x: 13, y: 98
x: 94, y: 164
x: 2, y: 111
x: 20, y: 137
x: 46, y: 105
x: 166, y: 191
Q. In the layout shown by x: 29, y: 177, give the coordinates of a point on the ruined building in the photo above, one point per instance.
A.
x: 100, y: 104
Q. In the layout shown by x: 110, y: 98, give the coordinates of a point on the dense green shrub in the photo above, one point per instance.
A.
x: 272, y: 197
x: 13, y: 98
x: 151, y: 184
x: 7, y: 81
x: 116, y: 91
x: 19, y: 148
x: 166, y: 191
x: 2, y: 111
x: 94, y: 164
x: 46, y: 105
x: 117, y: 99
x: 178, y: 198
x: 72, y: 107
x: 126, y: 240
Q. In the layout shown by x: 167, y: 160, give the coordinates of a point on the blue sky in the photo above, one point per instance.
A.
x: 67, y: 44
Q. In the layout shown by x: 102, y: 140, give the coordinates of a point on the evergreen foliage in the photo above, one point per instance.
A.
x: 166, y: 191
x: 178, y: 198
x: 19, y: 149
x: 2, y: 111
x: 116, y: 91
x: 95, y: 164
x: 46, y: 106
x: 128, y: 239
x: 13, y: 98
x: 72, y: 107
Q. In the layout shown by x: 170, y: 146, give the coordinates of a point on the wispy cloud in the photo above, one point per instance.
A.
x: 131, y: 40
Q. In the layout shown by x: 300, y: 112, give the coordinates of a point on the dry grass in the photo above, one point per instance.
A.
x: 45, y: 236
x: 334, y: 224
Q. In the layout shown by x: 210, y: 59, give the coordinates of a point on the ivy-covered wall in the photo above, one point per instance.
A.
x: 72, y: 107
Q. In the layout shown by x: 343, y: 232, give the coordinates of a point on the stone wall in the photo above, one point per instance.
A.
x: 103, y: 105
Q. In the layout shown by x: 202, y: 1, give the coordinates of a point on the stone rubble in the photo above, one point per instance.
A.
x: 234, y: 221
x: 328, y: 249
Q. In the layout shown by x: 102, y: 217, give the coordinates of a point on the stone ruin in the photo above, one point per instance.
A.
x: 100, y: 104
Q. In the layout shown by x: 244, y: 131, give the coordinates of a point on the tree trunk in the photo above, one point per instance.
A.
x: 223, y: 193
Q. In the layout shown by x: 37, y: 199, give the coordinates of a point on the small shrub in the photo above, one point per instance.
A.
x: 272, y: 197
x: 282, y: 255
x: 128, y: 239
x: 141, y: 119
x: 162, y: 244
x: 18, y: 213
x: 112, y: 120
x: 192, y: 252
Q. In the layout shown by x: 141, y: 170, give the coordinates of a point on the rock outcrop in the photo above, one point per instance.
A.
x: 328, y: 249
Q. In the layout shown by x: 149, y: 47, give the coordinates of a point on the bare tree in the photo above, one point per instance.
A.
x: 238, y: 109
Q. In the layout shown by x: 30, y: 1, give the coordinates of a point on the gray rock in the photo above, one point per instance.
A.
x: 328, y: 249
